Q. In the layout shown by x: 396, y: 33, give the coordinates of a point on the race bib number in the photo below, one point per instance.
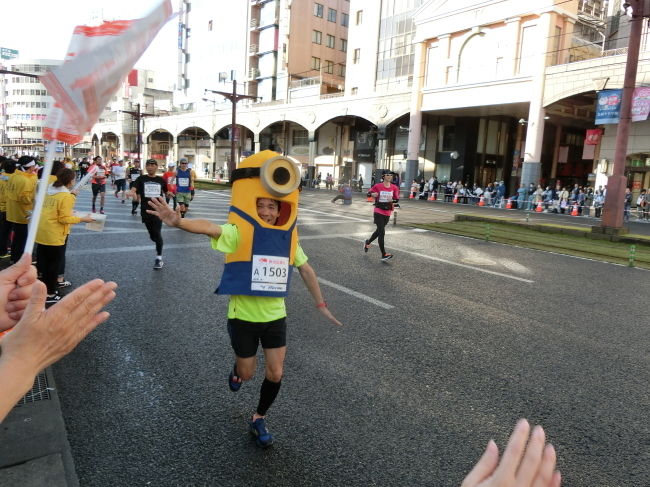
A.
x: 385, y: 196
x: 183, y: 182
x: 270, y: 273
x: 100, y: 174
x: 151, y: 190
x: 135, y: 176
x: 171, y: 180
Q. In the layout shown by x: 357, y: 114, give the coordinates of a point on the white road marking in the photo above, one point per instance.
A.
x: 354, y: 293
x: 329, y: 213
x: 437, y: 259
x: 150, y: 248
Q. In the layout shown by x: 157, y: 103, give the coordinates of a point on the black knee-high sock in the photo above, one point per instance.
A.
x: 135, y: 205
x: 268, y: 393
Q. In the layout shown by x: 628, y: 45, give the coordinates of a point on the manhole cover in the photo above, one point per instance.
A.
x: 479, y: 262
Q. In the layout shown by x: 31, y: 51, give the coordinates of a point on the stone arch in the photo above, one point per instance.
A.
x: 160, y: 145
x: 471, y: 56
x: 195, y: 144
x: 580, y: 90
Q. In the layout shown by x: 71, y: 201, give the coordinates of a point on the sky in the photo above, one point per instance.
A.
x: 47, y: 34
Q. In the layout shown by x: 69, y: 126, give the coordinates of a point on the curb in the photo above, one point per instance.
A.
x: 34, y: 447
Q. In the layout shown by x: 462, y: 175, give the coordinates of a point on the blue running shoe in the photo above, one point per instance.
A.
x: 234, y: 382
x: 262, y: 436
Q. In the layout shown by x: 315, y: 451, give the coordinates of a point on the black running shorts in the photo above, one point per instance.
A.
x: 246, y: 335
x: 98, y: 188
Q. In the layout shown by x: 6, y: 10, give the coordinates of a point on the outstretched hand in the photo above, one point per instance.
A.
x: 535, y: 469
x: 41, y: 338
x: 16, y: 284
x: 160, y: 208
x: 326, y: 313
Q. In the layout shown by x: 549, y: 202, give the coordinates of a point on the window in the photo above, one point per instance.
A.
x: 345, y: 20
x: 342, y: 70
x: 209, y: 25
x: 344, y: 45
x: 357, y: 56
x: 316, y: 37
x: 318, y: 10
x: 329, y: 67
x: 359, y: 17
x: 331, y: 41
x: 354, y: 91
x: 331, y: 15
x: 150, y: 80
x: 315, y: 63
x: 300, y: 137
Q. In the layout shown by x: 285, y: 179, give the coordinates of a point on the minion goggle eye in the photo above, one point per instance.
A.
x: 279, y: 176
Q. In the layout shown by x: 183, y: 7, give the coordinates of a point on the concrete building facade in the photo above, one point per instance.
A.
x: 495, y: 91
x: 27, y: 104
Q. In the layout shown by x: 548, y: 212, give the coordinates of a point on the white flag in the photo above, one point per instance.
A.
x: 98, y: 60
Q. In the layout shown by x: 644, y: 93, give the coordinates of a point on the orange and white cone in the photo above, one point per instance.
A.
x: 509, y: 204
x: 369, y: 199
x: 574, y: 212
x: 456, y: 198
x: 540, y: 207
x: 433, y: 196
x: 481, y: 201
x: 411, y: 195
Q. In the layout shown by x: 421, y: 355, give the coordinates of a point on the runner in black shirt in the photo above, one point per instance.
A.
x: 132, y: 174
x: 147, y: 187
x: 83, y: 167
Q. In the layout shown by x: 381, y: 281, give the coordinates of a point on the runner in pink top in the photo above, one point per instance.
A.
x: 386, y: 196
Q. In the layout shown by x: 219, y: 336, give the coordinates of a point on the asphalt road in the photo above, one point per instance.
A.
x: 443, y: 348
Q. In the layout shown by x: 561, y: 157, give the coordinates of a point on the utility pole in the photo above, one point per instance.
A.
x: 613, y: 209
x: 234, y: 98
x: 21, y: 129
x: 138, y: 115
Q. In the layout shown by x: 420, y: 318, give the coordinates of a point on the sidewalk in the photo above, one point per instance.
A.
x: 34, y: 448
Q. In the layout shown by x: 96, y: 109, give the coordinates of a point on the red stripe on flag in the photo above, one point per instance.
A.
x: 106, y: 29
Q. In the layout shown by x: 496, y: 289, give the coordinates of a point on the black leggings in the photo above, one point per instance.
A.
x: 381, y: 221
x: 5, y: 232
x: 48, y: 261
x: 154, y: 225
x: 19, y: 241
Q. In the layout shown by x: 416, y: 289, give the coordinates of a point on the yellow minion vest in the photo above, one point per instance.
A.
x: 262, y: 265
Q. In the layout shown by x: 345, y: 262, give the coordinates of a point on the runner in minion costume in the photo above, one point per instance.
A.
x: 261, y: 245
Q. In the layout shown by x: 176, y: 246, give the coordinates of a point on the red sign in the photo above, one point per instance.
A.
x: 636, y: 184
x: 593, y: 136
x: 159, y: 156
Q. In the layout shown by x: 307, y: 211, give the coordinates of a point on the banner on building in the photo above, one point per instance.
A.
x: 593, y: 136
x: 608, y: 108
x: 364, y: 146
x: 641, y: 104
x: 8, y: 53
x: 98, y: 60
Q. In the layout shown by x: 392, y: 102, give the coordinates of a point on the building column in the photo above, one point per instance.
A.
x: 415, y: 122
x: 531, y: 169
x: 556, y: 151
x: 213, y: 156
x: 176, y: 154
x: 257, y: 145
x: 145, y: 151
x: 311, y: 163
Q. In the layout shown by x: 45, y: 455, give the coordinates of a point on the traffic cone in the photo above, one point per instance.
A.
x: 540, y: 207
x: 481, y: 201
x: 433, y: 196
x: 369, y: 199
x: 509, y: 204
x: 456, y: 198
x: 411, y: 195
x: 574, y: 212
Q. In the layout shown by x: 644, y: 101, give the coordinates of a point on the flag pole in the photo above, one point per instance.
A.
x: 40, y: 196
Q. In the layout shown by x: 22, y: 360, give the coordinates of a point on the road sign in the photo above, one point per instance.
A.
x: 8, y: 53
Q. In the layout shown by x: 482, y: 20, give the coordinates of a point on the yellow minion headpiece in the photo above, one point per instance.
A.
x: 266, y: 175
